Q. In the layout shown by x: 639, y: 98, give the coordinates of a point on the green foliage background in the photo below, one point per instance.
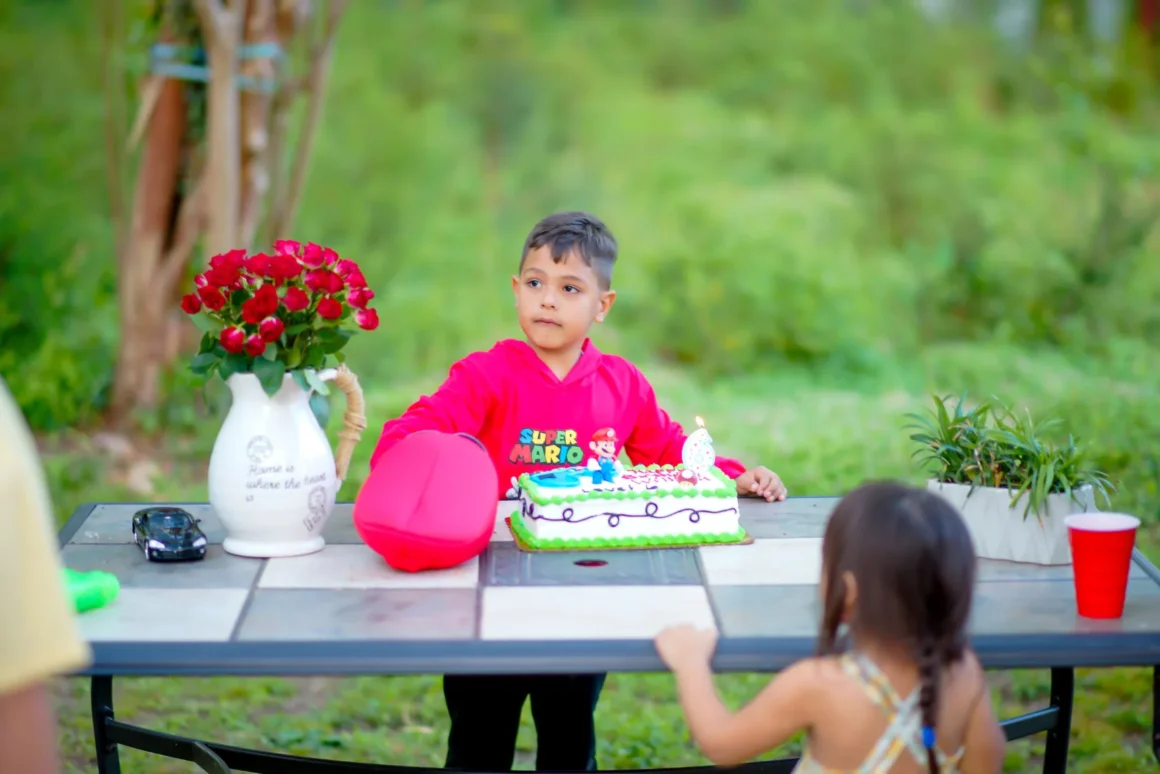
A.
x: 825, y: 208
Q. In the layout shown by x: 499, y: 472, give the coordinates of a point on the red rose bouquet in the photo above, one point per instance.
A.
x: 269, y: 315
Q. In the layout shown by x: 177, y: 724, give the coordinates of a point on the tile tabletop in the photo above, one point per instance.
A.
x: 510, y: 609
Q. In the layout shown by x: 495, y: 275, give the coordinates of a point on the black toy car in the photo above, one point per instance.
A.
x: 168, y: 534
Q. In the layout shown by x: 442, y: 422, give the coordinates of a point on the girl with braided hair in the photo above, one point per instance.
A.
x: 894, y: 687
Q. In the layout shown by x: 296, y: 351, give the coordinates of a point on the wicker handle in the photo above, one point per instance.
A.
x: 354, y: 419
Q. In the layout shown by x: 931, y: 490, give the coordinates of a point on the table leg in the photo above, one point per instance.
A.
x: 1156, y: 712
x: 1059, y: 736
x: 207, y: 760
x: 108, y: 756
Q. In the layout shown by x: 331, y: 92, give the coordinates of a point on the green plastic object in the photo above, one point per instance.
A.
x: 91, y: 590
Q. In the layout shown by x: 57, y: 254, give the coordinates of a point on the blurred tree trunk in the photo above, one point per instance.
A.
x: 147, y: 252
x: 1148, y: 14
x: 205, y: 184
x: 261, y: 72
x: 221, y: 29
x: 319, y: 53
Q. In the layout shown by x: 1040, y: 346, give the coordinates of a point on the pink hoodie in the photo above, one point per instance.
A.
x: 530, y: 420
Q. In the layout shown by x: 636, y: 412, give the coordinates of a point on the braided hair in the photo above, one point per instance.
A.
x: 911, y: 557
x: 928, y: 675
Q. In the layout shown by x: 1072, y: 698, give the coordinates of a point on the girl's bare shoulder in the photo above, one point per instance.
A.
x: 820, y: 668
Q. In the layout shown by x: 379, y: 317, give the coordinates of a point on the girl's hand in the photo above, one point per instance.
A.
x: 683, y: 646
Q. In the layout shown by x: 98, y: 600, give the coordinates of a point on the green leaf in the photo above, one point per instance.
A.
x: 333, y: 339
x: 340, y: 357
x: 208, y: 342
x: 294, y: 330
x: 270, y: 352
x: 233, y: 364
x: 316, y: 382
x: 207, y: 325
x: 269, y: 373
x: 201, y: 363
x: 321, y: 408
x: 239, y: 297
x: 313, y: 356
x: 300, y: 379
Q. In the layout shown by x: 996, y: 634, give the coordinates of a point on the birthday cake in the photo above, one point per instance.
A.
x: 605, y: 505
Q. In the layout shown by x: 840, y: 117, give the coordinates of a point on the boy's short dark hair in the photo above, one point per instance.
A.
x: 576, y: 232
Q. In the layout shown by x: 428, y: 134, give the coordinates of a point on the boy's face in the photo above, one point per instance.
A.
x: 558, y: 302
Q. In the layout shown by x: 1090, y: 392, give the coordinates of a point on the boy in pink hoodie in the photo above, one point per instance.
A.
x: 536, y: 404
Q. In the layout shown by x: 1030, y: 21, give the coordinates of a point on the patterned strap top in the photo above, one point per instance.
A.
x: 903, y: 732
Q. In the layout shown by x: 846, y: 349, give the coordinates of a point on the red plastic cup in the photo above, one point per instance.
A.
x: 1101, y: 555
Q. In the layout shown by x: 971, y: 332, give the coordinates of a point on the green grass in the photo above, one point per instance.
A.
x: 821, y: 432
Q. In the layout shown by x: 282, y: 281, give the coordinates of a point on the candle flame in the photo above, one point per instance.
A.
x: 700, y: 423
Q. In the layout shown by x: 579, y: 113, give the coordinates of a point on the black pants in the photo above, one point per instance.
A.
x: 485, y: 719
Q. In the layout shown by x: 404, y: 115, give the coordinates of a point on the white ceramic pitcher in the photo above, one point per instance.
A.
x: 273, y: 478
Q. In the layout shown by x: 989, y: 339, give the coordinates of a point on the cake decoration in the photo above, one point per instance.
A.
x: 605, y: 466
x: 603, y: 504
x: 697, y: 453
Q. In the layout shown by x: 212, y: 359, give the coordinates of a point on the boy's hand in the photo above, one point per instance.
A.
x: 761, y: 482
x: 684, y: 646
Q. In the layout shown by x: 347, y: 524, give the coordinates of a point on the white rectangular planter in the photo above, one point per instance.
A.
x: 1000, y: 530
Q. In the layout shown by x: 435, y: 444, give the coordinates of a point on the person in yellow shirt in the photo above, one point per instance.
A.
x: 39, y: 637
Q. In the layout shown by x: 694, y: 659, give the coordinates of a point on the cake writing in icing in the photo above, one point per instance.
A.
x: 651, y: 510
x: 605, y: 467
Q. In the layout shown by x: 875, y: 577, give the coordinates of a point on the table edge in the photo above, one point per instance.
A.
x: 77, y: 518
x: 749, y: 654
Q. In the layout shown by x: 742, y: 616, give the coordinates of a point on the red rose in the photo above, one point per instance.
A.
x: 284, y: 267
x: 190, y: 303
x: 262, y: 305
x: 288, y: 247
x: 271, y: 329
x: 258, y: 264
x: 329, y: 309
x: 356, y: 279
x: 253, y: 311
x: 345, y: 267
x: 200, y: 281
x: 360, y: 297
x: 295, y: 299
x: 211, y: 297
x: 222, y: 276
x: 323, y: 281
x: 315, y: 280
x: 367, y: 319
x: 312, y: 254
x: 234, y: 260
x: 232, y: 339
x: 254, y: 345
x: 329, y: 256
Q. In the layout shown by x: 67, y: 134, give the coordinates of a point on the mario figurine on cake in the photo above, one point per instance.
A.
x: 605, y: 468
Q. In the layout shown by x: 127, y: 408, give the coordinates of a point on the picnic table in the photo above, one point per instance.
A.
x: 342, y: 611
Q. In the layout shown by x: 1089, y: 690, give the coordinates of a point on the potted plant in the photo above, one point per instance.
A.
x: 274, y: 329
x: 1012, y: 483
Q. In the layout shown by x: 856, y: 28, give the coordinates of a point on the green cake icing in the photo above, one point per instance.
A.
x: 641, y: 541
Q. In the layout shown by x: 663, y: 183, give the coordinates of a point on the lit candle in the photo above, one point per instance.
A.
x: 697, y: 454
